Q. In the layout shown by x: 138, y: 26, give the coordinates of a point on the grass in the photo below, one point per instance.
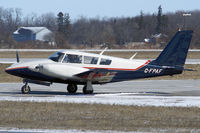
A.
x: 148, y: 55
x: 96, y: 117
x: 140, y: 55
x: 25, y: 54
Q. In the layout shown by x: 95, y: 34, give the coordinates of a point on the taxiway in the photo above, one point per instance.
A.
x: 142, y: 87
x: 179, y: 93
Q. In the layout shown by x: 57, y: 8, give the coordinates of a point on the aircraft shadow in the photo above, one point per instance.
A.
x: 47, y: 93
x: 57, y: 93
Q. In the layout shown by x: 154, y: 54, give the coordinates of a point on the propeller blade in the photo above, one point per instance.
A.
x: 17, y: 56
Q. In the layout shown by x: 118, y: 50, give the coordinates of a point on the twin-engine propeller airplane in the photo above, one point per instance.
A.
x: 79, y: 68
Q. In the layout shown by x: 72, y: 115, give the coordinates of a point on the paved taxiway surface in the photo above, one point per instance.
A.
x: 179, y: 93
x: 141, y: 87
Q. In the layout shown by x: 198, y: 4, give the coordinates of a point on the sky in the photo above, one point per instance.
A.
x: 100, y: 8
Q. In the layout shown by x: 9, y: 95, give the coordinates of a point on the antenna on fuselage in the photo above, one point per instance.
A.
x: 133, y: 56
x: 103, y: 51
x: 17, y: 56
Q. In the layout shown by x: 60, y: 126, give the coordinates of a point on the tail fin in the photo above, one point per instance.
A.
x: 175, y: 52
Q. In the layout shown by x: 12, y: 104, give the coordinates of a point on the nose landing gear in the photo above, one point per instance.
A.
x: 25, y: 89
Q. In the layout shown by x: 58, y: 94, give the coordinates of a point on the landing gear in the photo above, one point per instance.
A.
x: 88, y: 89
x: 25, y: 89
x: 72, y: 88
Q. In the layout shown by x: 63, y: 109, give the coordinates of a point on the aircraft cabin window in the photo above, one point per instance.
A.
x: 57, y: 57
x: 105, y: 61
x: 90, y: 60
x: 70, y: 58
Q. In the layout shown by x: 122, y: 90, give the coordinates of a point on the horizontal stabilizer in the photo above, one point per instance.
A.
x: 189, y: 70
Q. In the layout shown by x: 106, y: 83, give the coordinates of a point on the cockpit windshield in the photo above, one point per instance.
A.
x: 57, y: 57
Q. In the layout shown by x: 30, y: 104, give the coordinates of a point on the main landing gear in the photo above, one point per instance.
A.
x: 72, y: 88
x: 87, y: 89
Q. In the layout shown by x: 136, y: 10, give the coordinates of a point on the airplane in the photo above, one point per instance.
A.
x: 81, y: 68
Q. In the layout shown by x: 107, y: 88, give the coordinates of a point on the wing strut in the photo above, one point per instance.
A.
x: 17, y: 56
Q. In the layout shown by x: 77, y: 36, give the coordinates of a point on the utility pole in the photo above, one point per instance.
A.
x: 184, y: 16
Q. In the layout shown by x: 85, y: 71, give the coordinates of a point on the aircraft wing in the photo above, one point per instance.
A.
x: 98, y: 75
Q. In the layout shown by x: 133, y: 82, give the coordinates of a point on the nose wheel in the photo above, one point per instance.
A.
x: 25, y: 89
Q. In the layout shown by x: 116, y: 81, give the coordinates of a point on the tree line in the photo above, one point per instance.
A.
x: 90, y: 32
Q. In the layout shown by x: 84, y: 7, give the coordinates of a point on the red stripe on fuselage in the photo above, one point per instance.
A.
x: 124, y: 69
x: 16, y: 68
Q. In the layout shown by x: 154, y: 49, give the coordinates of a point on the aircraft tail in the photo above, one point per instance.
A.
x: 175, y: 52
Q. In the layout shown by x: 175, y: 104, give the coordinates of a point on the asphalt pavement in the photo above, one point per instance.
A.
x: 141, y: 87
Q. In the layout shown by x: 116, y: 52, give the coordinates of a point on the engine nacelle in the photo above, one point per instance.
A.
x: 59, y: 70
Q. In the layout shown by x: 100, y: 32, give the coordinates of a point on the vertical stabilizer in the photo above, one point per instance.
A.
x: 175, y: 52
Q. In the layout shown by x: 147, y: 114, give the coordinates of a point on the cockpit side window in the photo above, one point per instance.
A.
x: 71, y: 58
x: 90, y: 60
x: 105, y: 61
x: 57, y: 57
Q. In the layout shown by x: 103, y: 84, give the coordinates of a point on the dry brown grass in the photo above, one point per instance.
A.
x: 185, y: 75
x: 25, y: 54
x: 96, y: 117
x: 140, y: 55
x: 147, y: 55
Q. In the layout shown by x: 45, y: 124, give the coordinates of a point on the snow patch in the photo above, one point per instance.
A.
x: 17, y: 130
x: 128, y: 99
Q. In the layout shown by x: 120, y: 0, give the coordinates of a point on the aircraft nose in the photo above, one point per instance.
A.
x: 9, y: 69
x: 14, y: 70
x: 6, y: 70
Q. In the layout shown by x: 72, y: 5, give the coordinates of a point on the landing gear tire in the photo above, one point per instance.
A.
x: 25, y: 89
x: 85, y: 91
x: 72, y: 88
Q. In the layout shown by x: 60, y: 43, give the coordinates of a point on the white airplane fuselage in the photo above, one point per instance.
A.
x: 64, y: 72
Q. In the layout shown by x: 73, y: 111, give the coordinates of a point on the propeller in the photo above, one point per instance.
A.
x: 17, y: 56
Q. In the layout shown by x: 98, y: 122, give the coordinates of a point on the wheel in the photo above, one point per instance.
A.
x: 72, y: 88
x: 85, y: 91
x: 25, y: 89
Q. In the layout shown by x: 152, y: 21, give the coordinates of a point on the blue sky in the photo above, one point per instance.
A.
x: 99, y: 8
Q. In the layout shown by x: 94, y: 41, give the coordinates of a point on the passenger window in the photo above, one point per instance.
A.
x: 105, y: 61
x: 70, y: 58
x: 90, y: 60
